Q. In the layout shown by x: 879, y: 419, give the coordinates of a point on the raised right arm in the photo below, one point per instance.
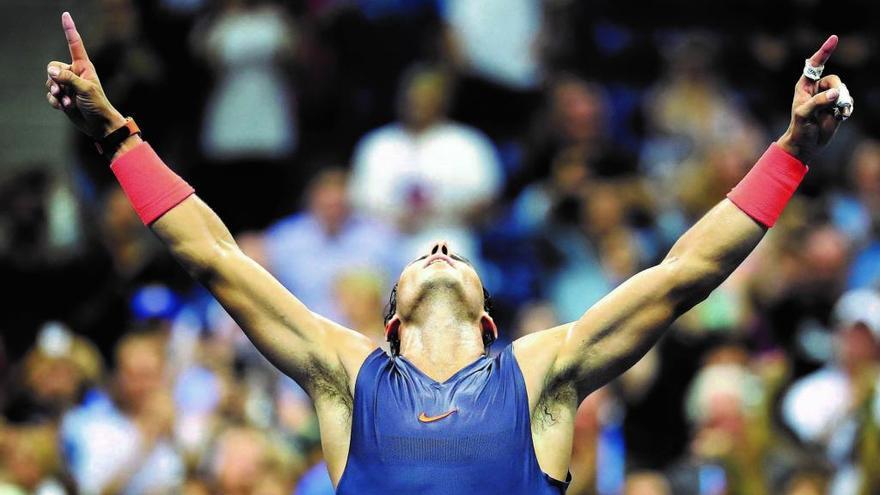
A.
x: 302, y: 344
x: 314, y: 351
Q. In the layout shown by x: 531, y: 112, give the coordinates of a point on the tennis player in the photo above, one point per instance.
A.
x: 439, y: 416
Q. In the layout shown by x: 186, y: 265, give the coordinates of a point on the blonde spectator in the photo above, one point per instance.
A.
x: 428, y: 175
x: 57, y: 372
x: 647, y: 483
x: 30, y: 461
x: 361, y: 295
x: 247, y: 462
x: 124, y: 444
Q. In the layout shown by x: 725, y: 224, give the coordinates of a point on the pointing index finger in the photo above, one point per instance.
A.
x: 824, y: 53
x: 74, y: 41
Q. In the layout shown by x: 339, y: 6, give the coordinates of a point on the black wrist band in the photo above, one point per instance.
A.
x: 108, y: 145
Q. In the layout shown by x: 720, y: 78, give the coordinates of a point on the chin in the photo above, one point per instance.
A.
x: 436, y: 279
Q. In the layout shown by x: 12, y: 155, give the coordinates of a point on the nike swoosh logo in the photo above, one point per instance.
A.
x: 424, y: 418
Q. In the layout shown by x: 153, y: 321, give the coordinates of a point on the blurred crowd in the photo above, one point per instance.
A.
x: 561, y: 145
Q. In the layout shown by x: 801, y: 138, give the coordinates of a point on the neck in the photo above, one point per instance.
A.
x: 441, y: 340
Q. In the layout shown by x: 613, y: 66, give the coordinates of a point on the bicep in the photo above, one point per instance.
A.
x: 280, y: 325
x: 300, y: 343
x: 619, y: 329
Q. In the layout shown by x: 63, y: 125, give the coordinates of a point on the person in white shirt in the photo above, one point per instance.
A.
x: 124, y: 445
x: 823, y: 408
x: 426, y: 174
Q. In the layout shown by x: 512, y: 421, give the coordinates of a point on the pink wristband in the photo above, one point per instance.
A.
x: 151, y: 187
x: 769, y: 185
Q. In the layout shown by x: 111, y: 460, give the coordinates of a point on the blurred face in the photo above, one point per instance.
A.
x: 360, y: 297
x: 139, y: 374
x: 440, y: 272
x: 241, y: 460
x: 329, y: 202
x: 646, y: 484
x: 856, y: 347
x: 580, y: 112
x: 424, y: 100
x: 825, y: 251
x: 55, y: 380
x: 865, y: 168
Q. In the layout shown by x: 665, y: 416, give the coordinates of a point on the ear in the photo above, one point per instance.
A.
x: 489, y: 328
x: 392, y: 329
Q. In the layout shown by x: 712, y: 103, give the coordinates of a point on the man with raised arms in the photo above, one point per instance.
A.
x: 439, y: 415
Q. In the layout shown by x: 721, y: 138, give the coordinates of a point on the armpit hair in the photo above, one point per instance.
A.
x: 559, y: 392
x: 328, y: 383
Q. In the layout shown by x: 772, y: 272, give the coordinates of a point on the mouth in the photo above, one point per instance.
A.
x: 438, y: 258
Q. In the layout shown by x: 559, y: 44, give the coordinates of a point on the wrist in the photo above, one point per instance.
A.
x: 113, y: 121
x: 129, y: 143
x: 792, y: 148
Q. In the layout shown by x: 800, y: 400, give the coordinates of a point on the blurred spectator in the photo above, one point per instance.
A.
x: 689, y: 110
x: 250, y: 113
x: 123, y: 443
x: 30, y: 462
x: 247, y: 461
x: 506, y: 54
x: 725, y: 408
x: 362, y: 295
x: 500, y: 68
x: 590, y: 247
x: 57, y: 374
x: 574, y: 130
x: 429, y: 176
x: 854, y: 209
x: 827, y: 407
x: 795, y: 304
x: 308, y: 251
x: 855, y: 212
x: 249, y: 131
x: 646, y: 483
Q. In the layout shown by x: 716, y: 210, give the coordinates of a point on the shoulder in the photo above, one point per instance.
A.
x: 290, y: 226
x: 351, y: 349
x: 384, y: 135
x: 536, y: 355
x: 288, y: 233
x: 461, y: 133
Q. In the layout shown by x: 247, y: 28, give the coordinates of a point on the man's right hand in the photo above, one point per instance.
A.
x: 75, y: 89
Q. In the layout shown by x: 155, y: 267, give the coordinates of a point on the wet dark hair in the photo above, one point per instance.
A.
x: 391, y: 309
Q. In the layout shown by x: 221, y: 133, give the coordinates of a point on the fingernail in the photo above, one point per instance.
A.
x: 65, y: 101
x: 53, y: 71
x: 54, y: 89
x: 833, y: 93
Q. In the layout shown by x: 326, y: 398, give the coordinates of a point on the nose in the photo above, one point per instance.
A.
x: 441, y: 247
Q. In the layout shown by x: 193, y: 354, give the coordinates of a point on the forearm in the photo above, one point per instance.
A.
x: 195, y: 236
x: 721, y: 240
x: 713, y: 247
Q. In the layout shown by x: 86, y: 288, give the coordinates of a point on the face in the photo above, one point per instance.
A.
x: 424, y: 100
x: 579, y: 111
x: 439, y: 271
x: 140, y: 371
x: 328, y: 201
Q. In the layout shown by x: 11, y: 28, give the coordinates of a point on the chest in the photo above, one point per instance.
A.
x: 411, y: 419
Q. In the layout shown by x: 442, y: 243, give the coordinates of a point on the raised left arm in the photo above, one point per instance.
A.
x: 572, y: 360
x: 618, y: 330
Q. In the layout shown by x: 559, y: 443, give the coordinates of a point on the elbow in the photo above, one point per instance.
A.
x: 203, y: 260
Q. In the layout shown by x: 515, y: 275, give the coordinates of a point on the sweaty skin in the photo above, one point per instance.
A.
x: 440, y: 317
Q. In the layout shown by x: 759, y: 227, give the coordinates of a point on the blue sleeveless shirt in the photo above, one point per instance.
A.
x: 405, y: 440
